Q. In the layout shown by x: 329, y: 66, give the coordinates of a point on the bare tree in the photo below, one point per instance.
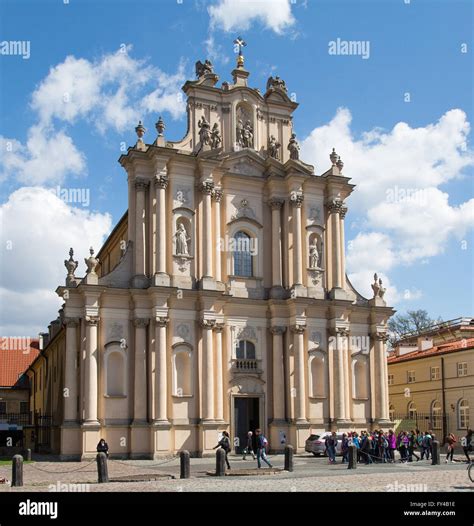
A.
x: 412, y: 322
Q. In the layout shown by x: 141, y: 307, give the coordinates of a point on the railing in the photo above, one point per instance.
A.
x: 19, y: 419
x: 245, y: 365
x: 438, y: 326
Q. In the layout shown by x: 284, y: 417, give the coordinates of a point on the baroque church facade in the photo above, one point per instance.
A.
x: 220, y: 301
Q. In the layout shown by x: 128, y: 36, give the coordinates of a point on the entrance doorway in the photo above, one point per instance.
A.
x: 246, y: 418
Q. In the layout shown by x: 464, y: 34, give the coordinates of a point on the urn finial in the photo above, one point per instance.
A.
x: 71, y: 266
x: 334, y: 157
x: 340, y: 164
x: 375, y: 286
x: 91, y: 262
x: 160, y: 127
x: 140, y: 130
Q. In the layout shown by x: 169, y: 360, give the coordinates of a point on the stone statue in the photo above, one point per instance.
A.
x: 277, y: 83
x: 71, y: 267
x: 182, y: 241
x: 247, y: 136
x: 313, y: 256
x: 204, y: 131
x: 382, y: 289
x: 204, y: 69
x: 91, y: 262
x: 375, y: 286
x: 294, y: 148
x: 273, y: 147
x: 216, y: 138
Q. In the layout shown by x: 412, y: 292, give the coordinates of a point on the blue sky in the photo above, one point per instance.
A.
x: 422, y: 249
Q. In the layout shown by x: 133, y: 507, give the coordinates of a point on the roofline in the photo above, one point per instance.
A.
x: 423, y: 354
x: 114, y: 230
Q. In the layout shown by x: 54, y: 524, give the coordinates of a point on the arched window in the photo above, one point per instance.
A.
x: 243, y: 264
x: 463, y: 414
x: 436, y: 417
x: 246, y: 350
x: 182, y: 385
x: 115, y: 370
x: 360, y: 378
x: 317, y: 379
x: 412, y: 411
x: 391, y: 413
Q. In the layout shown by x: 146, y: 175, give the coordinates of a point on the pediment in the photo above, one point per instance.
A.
x: 246, y: 162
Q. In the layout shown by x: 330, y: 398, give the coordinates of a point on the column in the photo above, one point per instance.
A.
x: 219, y: 373
x: 161, y: 380
x: 140, y: 189
x: 340, y: 405
x: 161, y: 183
x: 208, y: 370
x: 275, y: 205
x: 342, y: 248
x: 382, y: 379
x: 90, y: 409
x: 347, y: 373
x: 70, y: 371
x: 300, y: 384
x: 297, y: 201
x: 207, y: 189
x: 217, y: 194
x: 278, y: 373
x: 336, y: 207
x: 139, y: 399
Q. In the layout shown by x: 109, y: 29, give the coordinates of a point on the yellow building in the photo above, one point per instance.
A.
x: 431, y: 379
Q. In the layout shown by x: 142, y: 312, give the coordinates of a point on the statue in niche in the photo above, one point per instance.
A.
x: 181, y: 236
x: 204, y: 69
x: 216, y: 138
x: 294, y: 148
x: 247, y: 135
x: 313, y: 255
x: 204, y: 131
x: 273, y: 147
x: 244, y: 131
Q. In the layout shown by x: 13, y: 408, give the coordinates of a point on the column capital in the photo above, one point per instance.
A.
x: 207, y: 187
x: 339, y: 331
x: 141, y: 184
x: 141, y: 322
x: 217, y: 194
x: 161, y: 181
x: 71, y: 322
x: 162, y: 321
x: 343, y: 212
x: 92, y: 320
x: 298, y: 328
x: 278, y: 329
x: 276, y: 204
x: 296, y: 199
x: 381, y: 336
x: 207, y: 324
x: 337, y: 206
x: 219, y: 327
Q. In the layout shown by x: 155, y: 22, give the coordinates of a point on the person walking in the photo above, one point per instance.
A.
x: 249, y: 447
x: 412, y: 445
x: 103, y: 447
x: 466, y: 443
x: 426, y: 445
x: 392, y: 445
x: 356, y: 443
x: 345, y: 448
x: 451, y: 441
x: 404, y: 446
x: 262, y: 444
x: 224, y: 443
x: 331, y: 444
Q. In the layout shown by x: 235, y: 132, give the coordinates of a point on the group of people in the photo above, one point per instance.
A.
x: 261, y: 446
x: 379, y: 446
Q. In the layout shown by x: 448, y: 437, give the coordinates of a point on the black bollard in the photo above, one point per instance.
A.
x: 185, y: 471
x: 27, y: 454
x: 435, y: 461
x: 220, y: 462
x: 17, y: 471
x: 102, y: 470
x: 352, y: 457
x: 288, y: 458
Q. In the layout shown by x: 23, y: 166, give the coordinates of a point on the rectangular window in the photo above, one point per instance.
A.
x: 462, y: 369
x: 3, y: 408
x: 435, y: 373
x: 410, y: 376
x: 390, y: 379
x: 24, y: 408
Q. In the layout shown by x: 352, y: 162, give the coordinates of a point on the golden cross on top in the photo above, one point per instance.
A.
x: 240, y: 43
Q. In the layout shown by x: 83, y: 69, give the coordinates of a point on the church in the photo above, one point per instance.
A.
x: 220, y: 300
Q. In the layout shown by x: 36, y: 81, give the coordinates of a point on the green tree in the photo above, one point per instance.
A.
x: 412, y: 321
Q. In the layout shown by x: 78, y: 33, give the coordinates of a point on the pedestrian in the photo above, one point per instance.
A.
x: 426, y: 445
x: 331, y: 444
x: 466, y: 443
x: 451, y: 441
x: 392, y: 445
x: 345, y: 448
x: 356, y: 442
x: 365, y: 447
x: 404, y: 446
x: 383, y: 447
x: 224, y: 443
x: 249, y: 447
x: 412, y: 445
x: 262, y: 444
x: 103, y: 447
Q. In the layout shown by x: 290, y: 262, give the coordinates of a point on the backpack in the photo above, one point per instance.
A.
x: 384, y: 442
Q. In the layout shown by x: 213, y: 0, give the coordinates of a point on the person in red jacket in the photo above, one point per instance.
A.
x: 451, y: 440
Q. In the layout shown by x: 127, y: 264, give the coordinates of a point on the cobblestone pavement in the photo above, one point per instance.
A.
x: 310, y: 474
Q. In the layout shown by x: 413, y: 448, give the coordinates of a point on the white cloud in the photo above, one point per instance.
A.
x: 38, y: 229
x: 232, y: 15
x: 406, y: 217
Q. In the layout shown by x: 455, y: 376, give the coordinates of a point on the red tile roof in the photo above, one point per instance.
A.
x: 16, y: 355
x: 445, y: 348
